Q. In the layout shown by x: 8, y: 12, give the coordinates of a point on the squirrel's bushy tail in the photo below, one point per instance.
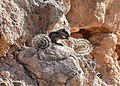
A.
x: 41, y: 41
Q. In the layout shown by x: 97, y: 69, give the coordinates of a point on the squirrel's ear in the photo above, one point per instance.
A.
x: 63, y: 30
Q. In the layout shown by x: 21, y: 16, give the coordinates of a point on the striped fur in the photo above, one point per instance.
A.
x: 41, y: 41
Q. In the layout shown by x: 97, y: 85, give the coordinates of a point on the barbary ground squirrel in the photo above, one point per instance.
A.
x: 43, y: 40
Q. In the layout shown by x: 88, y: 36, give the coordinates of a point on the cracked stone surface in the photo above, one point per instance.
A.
x: 95, y: 20
x: 51, y: 68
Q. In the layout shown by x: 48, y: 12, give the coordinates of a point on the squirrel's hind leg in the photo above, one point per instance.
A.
x: 59, y: 44
x: 55, y: 42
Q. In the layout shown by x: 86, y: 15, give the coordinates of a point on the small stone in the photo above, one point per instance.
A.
x: 61, y: 78
x: 5, y: 74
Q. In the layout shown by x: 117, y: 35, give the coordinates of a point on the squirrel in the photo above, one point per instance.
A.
x: 44, y: 41
x: 59, y: 34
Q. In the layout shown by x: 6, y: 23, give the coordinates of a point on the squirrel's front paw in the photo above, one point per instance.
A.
x: 60, y: 44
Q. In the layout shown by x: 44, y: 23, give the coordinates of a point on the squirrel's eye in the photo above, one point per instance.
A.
x: 64, y: 36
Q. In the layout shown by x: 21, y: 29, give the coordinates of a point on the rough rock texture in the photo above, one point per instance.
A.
x: 22, y: 19
x: 104, y: 47
x: 86, y: 14
x: 24, y: 65
x: 51, y: 68
x: 98, y: 21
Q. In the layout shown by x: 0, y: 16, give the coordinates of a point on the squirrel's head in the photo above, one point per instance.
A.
x: 64, y: 34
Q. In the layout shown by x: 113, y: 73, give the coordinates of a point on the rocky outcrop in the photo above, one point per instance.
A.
x: 24, y: 65
x: 98, y: 21
x: 51, y: 67
x: 87, y: 14
x: 104, y: 52
x: 20, y: 20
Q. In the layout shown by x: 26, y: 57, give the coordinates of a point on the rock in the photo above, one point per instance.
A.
x: 118, y: 52
x: 104, y: 48
x: 74, y: 28
x: 107, y: 41
x: 81, y: 16
x: 118, y: 40
x: 55, y: 65
x: 100, y: 14
x: 4, y: 47
x: 7, y: 81
x: 11, y: 24
x: 58, y: 67
x: 98, y: 81
x: 11, y: 71
x: 5, y: 74
x: 94, y: 20
x: 19, y: 83
x: 76, y: 35
x: 20, y: 19
x: 74, y: 82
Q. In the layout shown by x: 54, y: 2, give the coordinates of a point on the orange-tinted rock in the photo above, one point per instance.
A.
x: 107, y: 65
x: 74, y: 28
x: 76, y: 35
x: 60, y: 78
x: 88, y: 14
x: 11, y: 25
x: 80, y: 15
x: 118, y: 52
x: 73, y: 82
x: 4, y: 47
x: 94, y: 20
x: 118, y: 39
